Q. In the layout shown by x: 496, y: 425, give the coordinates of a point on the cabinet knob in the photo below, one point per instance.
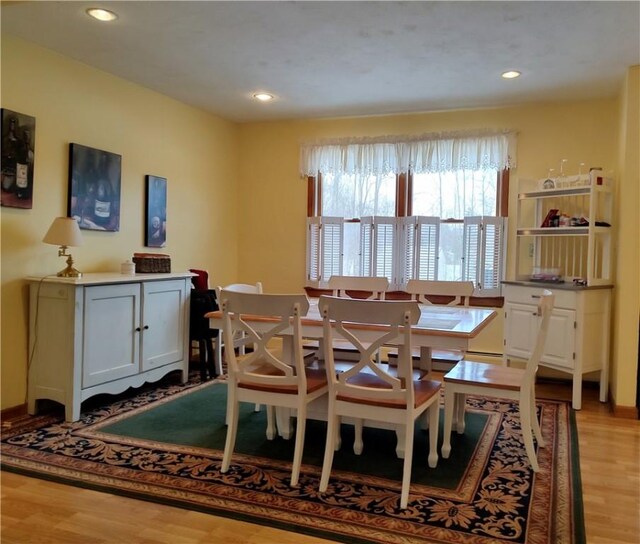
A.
x: 138, y: 329
x: 146, y: 327
x: 535, y: 296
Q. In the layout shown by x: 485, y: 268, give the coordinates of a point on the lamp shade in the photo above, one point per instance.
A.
x: 64, y: 231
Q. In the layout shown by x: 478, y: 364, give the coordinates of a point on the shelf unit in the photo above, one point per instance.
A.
x: 578, y: 338
x: 579, y: 252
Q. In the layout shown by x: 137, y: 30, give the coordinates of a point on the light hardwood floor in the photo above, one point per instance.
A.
x: 37, y: 511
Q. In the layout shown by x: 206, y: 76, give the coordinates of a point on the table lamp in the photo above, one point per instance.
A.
x: 65, y: 232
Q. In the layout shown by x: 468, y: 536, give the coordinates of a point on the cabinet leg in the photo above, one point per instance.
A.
x: 577, y: 392
x: 604, y: 386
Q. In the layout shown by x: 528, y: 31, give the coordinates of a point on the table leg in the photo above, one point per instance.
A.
x: 449, y: 399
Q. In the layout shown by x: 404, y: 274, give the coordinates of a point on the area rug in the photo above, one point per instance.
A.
x: 164, y: 444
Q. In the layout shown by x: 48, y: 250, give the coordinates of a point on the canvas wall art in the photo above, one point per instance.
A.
x: 17, y: 160
x: 94, y: 188
x: 156, y: 212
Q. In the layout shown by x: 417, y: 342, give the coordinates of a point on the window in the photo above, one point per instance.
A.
x: 421, y: 223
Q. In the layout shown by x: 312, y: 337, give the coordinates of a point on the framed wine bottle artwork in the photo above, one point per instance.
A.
x: 94, y: 188
x: 17, y: 161
x: 155, y: 212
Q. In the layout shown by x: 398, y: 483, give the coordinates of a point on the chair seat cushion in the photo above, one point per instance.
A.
x: 423, y: 390
x: 316, y: 379
x: 485, y: 375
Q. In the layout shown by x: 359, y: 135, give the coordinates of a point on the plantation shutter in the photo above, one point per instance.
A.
x: 483, y: 243
x: 378, y: 247
x: 366, y: 246
x: 385, y: 247
x: 471, y: 247
x: 493, y: 243
x: 406, y: 249
x: 313, y: 250
x: 325, y: 239
x: 427, y: 248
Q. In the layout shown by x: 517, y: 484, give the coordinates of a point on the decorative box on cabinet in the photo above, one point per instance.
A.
x: 578, y: 337
x: 104, y: 333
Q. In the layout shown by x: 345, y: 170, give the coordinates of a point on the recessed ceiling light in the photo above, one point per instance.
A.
x: 510, y: 74
x: 102, y: 14
x: 263, y: 97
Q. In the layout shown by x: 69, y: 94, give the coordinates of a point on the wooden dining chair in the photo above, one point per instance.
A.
x: 238, y: 342
x: 440, y: 293
x: 263, y: 376
x: 239, y: 288
x: 371, y: 287
x: 359, y: 287
x: 202, y: 301
x: 473, y: 378
x: 367, y: 391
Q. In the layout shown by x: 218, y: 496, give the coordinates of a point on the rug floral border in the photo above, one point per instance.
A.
x: 499, y: 498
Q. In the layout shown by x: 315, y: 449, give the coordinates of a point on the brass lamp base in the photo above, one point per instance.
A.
x: 69, y: 271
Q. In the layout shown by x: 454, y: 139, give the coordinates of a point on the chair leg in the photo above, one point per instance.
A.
x: 449, y: 405
x: 232, y: 428
x: 408, y: 458
x: 358, y: 444
x: 218, y: 356
x: 211, y: 366
x: 202, y: 356
x: 271, y: 422
x: 527, y: 433
x: 434, y: 416
x: 332, y: 426
x: 461, y: 406
x: 299, y: 447
x: 534, y: 421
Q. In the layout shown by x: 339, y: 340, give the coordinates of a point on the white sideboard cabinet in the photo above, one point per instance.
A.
x: 578, y: 336
x: 104, y: 333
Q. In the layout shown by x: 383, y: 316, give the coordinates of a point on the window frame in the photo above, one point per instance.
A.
x: 403, y: 216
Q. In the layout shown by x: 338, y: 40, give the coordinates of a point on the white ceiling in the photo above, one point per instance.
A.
x: 326, y: 59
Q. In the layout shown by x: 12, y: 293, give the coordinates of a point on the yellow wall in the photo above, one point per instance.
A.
x: 195, y: 151
x: 236, y: 203
x: 626, y: 314
x: 274, y: 204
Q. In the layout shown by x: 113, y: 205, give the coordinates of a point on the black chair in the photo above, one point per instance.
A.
x: 203, y: 301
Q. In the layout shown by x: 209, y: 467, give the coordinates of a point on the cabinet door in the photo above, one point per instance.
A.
x: 519, y: 329
x: 111, y: 342
x: 560, y: 345
x: 163, y: 322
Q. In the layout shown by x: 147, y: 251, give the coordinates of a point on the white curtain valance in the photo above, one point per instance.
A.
x: 427, y: 153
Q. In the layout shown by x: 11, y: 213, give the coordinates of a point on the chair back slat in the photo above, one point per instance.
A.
x: 377, y: 286
x: 351, y: 320
x: 545, y: 307
x: 460, y: 291
x: 282, y: 314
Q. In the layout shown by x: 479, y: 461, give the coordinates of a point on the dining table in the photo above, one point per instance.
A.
x: 439, y: 327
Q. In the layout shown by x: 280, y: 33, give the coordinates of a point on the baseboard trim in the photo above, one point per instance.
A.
x: 15, y: 412
x: 624, y: 412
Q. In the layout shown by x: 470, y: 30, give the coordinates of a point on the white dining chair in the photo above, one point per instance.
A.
x: 445, y: 293
x: 262, y: 376
x: 370, y: 287
x: 238, y: 342
x: 344, y: 286
x: 367, y: 390
x: 473, y: 378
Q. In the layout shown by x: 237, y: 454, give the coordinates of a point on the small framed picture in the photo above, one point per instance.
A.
x: 16, y: 170
x: 156, y: 212
x: 94, y: 188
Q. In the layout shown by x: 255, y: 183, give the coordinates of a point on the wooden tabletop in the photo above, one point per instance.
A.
x: 456, y: 321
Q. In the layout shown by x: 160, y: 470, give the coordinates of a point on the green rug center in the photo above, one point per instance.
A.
x: 198, y: 419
